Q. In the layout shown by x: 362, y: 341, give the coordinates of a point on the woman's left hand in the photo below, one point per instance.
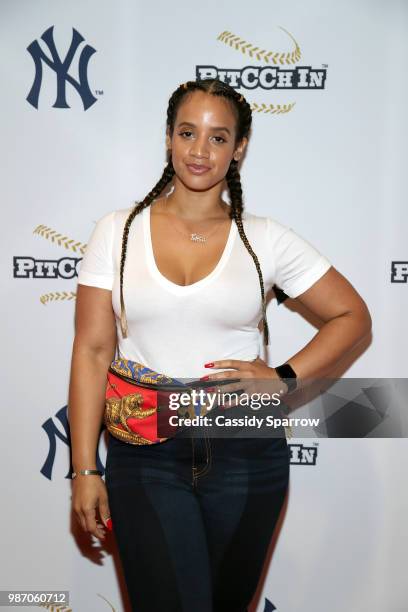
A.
x: 254, y: 377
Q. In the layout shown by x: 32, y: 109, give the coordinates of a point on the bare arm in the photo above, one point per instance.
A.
x: 93, y: 350
x: 347, y: 321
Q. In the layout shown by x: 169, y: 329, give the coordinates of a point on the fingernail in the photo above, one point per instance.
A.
x: 109, y: 524
x: 205, y: 378
x: 208, y: 365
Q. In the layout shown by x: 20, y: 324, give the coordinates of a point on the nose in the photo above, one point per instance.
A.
x: 199, y: 147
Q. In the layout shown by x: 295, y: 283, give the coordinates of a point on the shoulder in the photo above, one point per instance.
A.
x: 120, y: 215
x: 262, y: 226
x: 113, y: 220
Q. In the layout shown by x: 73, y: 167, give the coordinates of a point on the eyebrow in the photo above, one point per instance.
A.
x: 225, y: 129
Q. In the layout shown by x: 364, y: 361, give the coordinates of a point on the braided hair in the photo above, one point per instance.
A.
x: 244, y: 120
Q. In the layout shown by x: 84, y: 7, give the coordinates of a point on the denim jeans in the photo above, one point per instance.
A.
x: 193, y: 518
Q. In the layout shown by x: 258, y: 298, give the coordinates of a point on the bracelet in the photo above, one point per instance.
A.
x: 86, y: 473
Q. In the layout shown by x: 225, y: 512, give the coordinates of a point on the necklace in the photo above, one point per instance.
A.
x: 194, y: 236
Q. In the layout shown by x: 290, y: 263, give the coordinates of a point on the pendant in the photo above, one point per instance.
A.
x: 197, y: 238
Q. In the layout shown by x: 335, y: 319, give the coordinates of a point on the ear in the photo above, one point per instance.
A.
x: 239, y: 151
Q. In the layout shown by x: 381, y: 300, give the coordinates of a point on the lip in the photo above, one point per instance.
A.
x: 197, y: 168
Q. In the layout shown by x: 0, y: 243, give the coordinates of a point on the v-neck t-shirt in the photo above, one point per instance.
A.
x: 176, y: 329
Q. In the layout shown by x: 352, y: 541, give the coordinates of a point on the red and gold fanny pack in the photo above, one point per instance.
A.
x: 138, y: 403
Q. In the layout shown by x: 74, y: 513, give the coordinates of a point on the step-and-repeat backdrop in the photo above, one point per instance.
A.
x: 85, y: 87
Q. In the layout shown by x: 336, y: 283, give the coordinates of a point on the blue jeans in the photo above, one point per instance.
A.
x: 193, y: 518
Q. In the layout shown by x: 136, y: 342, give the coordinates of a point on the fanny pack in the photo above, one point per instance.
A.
x: 138, y: 403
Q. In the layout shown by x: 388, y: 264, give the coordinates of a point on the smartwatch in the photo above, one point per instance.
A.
x: 288, y: 375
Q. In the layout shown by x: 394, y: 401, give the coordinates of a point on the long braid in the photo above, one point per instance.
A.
x: 234, y: 184
x: 166, y: 177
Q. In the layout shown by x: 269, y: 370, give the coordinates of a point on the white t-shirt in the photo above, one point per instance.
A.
x: 176, y: 329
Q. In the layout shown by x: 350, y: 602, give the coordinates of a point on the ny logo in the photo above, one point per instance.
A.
x: 53, y: 434
x: 61, y: 69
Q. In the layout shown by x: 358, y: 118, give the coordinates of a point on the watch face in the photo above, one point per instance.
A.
x: 288, y: 375
x: 286, y: 371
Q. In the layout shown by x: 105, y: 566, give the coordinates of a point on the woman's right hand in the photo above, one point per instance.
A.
x: 88, y: 494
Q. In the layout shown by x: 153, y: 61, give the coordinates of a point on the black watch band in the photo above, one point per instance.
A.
x: 288, y: 375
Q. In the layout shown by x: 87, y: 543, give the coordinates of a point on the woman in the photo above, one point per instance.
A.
x: 193, y: 516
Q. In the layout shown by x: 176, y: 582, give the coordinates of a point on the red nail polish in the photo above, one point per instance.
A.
x: 208, y: 365
x: 109, y: 524
x: 205, y: 378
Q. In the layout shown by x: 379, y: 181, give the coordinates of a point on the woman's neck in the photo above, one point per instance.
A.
x: 196, y: 206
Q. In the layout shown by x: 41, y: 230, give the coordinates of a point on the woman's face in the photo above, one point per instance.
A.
x: 203, y: 141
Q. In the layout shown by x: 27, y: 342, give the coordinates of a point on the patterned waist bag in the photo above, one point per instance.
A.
x: 139, y: 403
